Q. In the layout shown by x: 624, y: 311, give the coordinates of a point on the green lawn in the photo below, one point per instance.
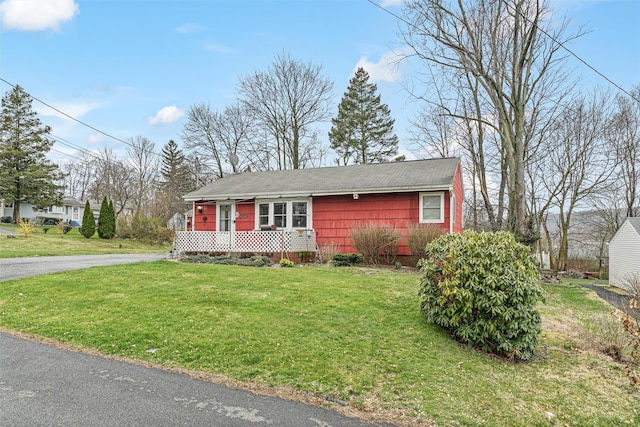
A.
x: 72, y: 243
x: 344, y: 334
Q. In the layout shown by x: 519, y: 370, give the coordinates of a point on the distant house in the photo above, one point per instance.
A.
x: 299, y: 210
x: 71, y: 210
x: 624, y: 254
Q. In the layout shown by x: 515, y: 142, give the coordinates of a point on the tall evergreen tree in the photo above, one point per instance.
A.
x: 26, y: 175
x: 88, y: 227
x: 363, y: 130
x: 106, y: 220
x: 174, y: 171
x: 112, y: 220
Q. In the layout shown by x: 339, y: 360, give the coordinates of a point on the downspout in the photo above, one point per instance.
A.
x: 451, y: 203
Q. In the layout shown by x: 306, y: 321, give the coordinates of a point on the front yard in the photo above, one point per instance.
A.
x: 350, y: 338
x: 72, y: 243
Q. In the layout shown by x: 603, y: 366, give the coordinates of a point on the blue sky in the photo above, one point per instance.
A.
x: 134, y: 67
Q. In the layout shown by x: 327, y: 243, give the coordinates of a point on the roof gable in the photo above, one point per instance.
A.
x: 414, y: 175
x: 634, y: 224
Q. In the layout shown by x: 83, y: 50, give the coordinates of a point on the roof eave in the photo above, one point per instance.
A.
x: 298, y: 194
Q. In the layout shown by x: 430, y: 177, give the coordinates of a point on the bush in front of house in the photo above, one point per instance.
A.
x: 253, y: 261
x: 346, y: 260
x: 63, y: 228
x: 143, y: 229
x: 419, y: 236
x: 483, y: 288
x: 6, y: 220
x: 376, y: 243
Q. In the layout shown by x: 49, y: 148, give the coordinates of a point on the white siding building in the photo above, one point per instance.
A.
x: 624, y: 254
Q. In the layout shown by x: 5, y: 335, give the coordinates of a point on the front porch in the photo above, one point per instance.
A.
x: 257, y: 242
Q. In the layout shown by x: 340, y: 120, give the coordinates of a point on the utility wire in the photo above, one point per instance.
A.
x: 400, y: 18
x: 80, y: 121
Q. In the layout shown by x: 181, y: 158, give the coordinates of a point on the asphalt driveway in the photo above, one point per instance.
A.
x: 17, y: 268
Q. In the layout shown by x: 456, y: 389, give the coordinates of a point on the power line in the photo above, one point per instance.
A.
x: 400, y: 18
x: 80, y: 121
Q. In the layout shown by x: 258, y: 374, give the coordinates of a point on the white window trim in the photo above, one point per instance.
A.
x: 432, y: 221
x: 289, y: 203
x: 56, y: 209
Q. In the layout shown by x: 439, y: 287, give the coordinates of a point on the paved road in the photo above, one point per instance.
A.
x: 41, y: 385
x: 17, y: 268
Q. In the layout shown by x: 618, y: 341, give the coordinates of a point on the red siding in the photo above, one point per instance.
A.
x: 208, y: 213
x: 245, y: 218
x: 335, y: 216
x: 459, y: 193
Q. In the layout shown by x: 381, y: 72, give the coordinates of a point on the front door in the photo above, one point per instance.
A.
x: 226, y: 225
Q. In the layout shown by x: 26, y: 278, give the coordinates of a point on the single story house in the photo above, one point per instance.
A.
x: 624, y: 255
x: 296, y: 211
x: 70, y: 210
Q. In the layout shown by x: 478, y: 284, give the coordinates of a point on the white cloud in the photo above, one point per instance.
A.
x: 168, y: 114
x: 386, y: 69
x: 36, y: 15
x: 216, y: 47
x: 95, y: 139
x: 73, y: 109
x: 385, y: 3
x: 190, y: 28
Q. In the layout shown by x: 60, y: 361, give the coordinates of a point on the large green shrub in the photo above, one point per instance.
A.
x: 88, y: 227
x: 483, y: 288
x: 376, y: 243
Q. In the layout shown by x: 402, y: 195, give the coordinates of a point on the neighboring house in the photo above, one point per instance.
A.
x: 297, y: 211
x: 178, y: 221
x: 70, y: 210
x: 624, y: 255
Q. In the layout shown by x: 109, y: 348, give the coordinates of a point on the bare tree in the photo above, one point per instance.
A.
x: 503, y: 49
x: 624, y: 137
x: 287, y: 100
x: 144, y: 165
x: 79, y: 176
x: 578, y: 161
x: 112, y: 179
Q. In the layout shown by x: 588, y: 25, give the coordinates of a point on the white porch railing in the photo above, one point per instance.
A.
x: 245, y: 241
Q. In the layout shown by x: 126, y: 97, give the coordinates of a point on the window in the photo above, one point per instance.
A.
x: 280, y: 214
x: 431, y: 207
x: 8, y: 205
x: 263, y: 214
x: 56, y: 209
x: 283, y: 214
x: 299, y: 214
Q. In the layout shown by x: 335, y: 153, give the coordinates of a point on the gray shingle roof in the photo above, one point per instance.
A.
x: 414, y: 175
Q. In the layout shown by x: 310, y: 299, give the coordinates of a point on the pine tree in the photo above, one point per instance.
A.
x: 363, y: 130
x: 174, y: 171
x: 104, y: 222
x: 112, y: 220
x: 88, y: 227
x: 26, y: 175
